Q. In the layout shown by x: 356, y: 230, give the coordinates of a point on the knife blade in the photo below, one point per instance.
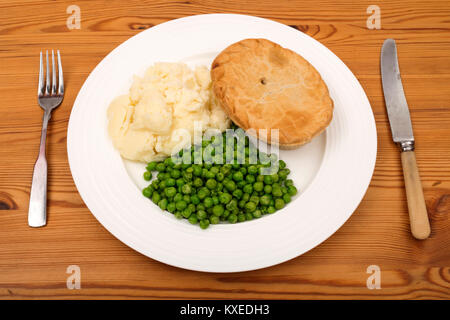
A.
x: 394, y: 96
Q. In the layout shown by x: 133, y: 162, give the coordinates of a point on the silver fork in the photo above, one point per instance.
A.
x: 49, y: 97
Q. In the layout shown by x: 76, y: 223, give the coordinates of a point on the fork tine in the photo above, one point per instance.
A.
x: 60, y: 76
x: 41, y: 76
x: 53, y: 74
x: 47, y: 76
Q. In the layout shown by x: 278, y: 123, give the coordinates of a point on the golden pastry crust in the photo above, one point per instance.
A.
x: 262, y: 85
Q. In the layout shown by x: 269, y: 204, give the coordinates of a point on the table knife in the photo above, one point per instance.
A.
x: 402, y: 134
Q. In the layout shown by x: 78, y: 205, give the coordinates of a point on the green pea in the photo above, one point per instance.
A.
x: 260, y: 178
x: 257, y: 214
x: 287, y: 198
x: 151, y: 166
x: 248, y: 188
x: 254, y: 199
x: 268, y: 179
x: 166, y: 162
x: 160, y: 167
x: 147, y: 192
x: 187, y: 198
x: 201, y: 214
x: 252, y: 170
x: 246, y: 196
x: 186, y: 213
x: 147, y: 176
x: 186, y: 189
x: 230, y: 185
x: 163, y: 204
x: 170, y: 192
x: 191, y: 207
x: 180, y: 182
x: 275, y: 177
x: 237, y: 176
x: 218, y: 210
x: 225, y: 214
x: 177, y: 197
x: 292, y: 191
x: 211, y: 183
x: 250, y: 206
x: 175, y: 173
x: 171, y: 207
x: 161, y: 176
x: 271, y: 209
x: 193, y: 219
x: 198, y: 182
x: 232, y: 218
x: 277, y: 192
x: 258, y: 186
x: 197, y: 170
x: 208, y: 202
x: 214, y: 170
x: 289, y: 182
x: 279, y: 204
x: 214, y: 220
x: 241, y: 184
x: 170, y: 182
x: 250, y: 178
x: 264, y: 200
x: 238, y: 193
x: 226, y: 169
x: 232, y: 205
x: 209, y: 175
x: 248, y: 216
x: 267, y: 188
x: 187, y: 176
x: 204, y: 223
x: 201, y: 194
x: 181, y: 205
x: 224, y: 198
x: 201, y: 206
x: 241, y: 217
x: 156, y: 197
x: 220, y: 176
x: 195, y: 199
x: 283, y: 174
x: 178, y: 215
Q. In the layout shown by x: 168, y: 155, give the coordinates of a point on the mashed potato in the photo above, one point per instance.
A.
x: 156, y: 119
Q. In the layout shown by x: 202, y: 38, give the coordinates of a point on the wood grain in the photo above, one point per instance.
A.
x: 33, y: 262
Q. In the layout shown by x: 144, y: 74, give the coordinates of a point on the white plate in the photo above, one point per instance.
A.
x: 332, y: 172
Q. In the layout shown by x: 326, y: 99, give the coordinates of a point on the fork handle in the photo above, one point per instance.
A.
x: 37, y: 211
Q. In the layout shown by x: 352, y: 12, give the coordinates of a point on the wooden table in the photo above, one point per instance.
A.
x: 33, y: 262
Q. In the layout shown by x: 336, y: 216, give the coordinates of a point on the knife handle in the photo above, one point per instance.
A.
x: 418, y: 216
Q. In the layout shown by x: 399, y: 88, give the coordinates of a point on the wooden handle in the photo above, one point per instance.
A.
x: 418, y: 217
